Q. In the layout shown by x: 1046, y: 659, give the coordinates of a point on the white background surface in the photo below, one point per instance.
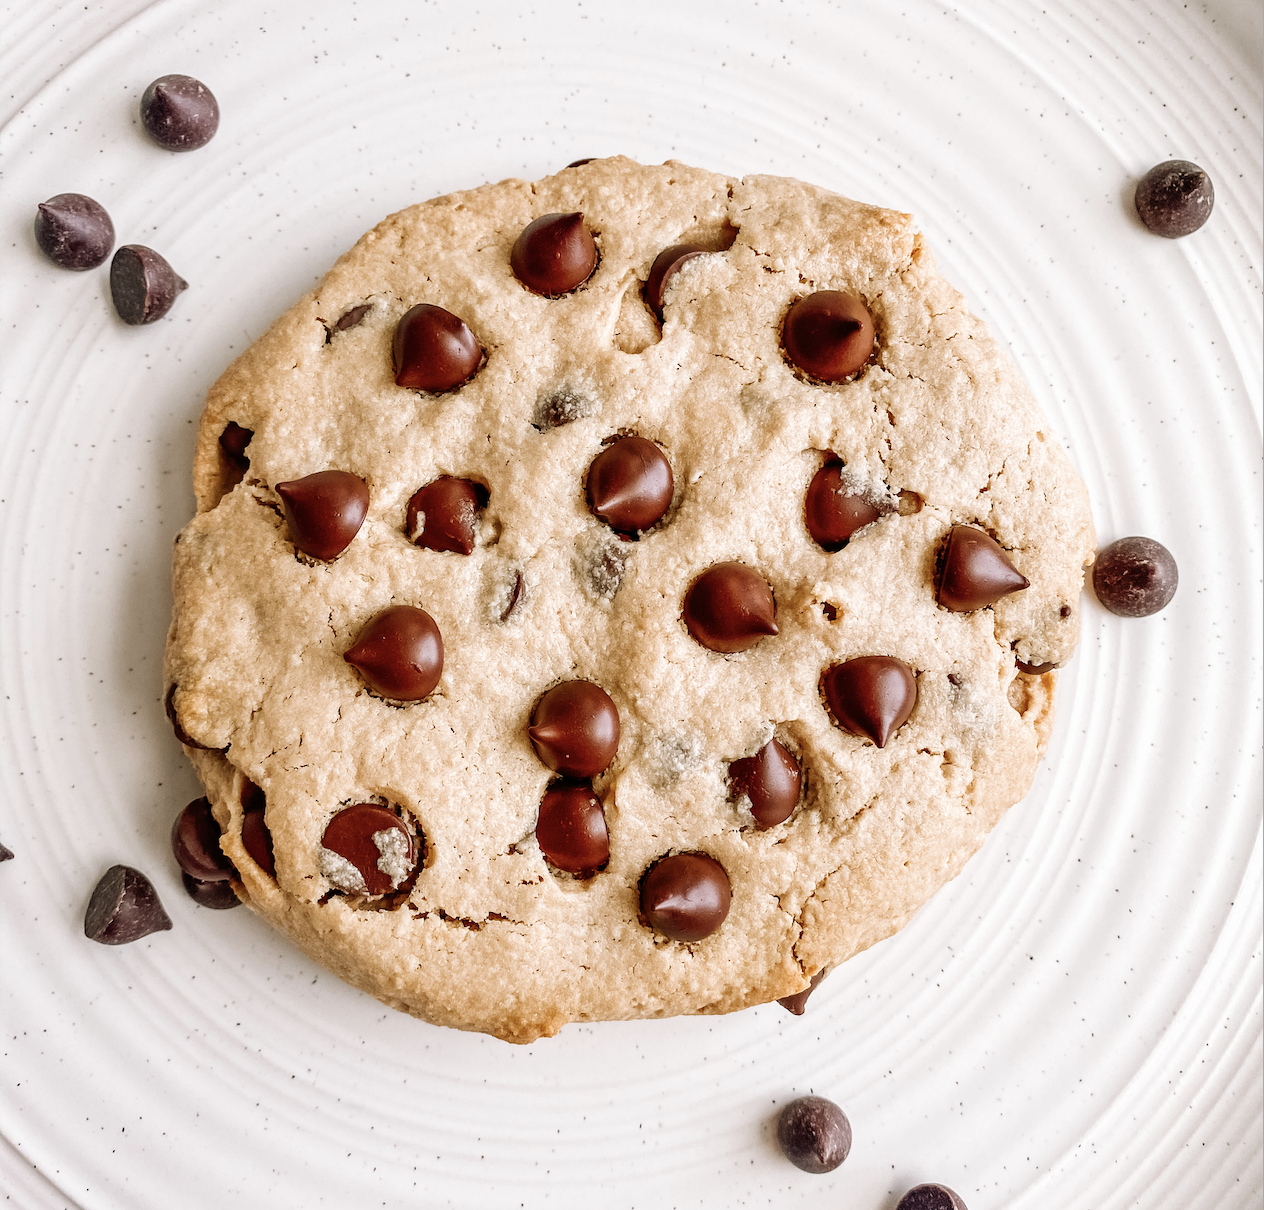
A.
x: 1074, y: 1023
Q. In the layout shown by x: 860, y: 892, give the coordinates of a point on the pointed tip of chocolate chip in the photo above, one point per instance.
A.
x: 124, y: 907
x: 798, y: 1003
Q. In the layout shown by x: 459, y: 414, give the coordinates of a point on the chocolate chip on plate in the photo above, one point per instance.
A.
x: 814, y: 1134
x: 770, y: 781
x: 798, y: 1003
x: 443, y: 515
x: 575, y: 729
x: 6, y: 853
x: 324, y: 511
x: 630, y: 485
x: 729, y: 608
x: 976, y: 572
x: 554, y: 254
x: 1174, y: 198
x: 685, y: 896
x: 368, y: 849
x: 434, y: 350
x: 871, y: 696
x: 930, y: 1197
x: 1135, y: 577
x: 179, y: 113
x: 666, y: 264
x: 571, y: 828
x: 399, y: 653
x: 142, y: 284
x: 217, y: 895
x: 74, y: 231
x: 233, y: 442
x: 124, y: 907
x: 256, y: 838
x: 832, y: 510
x: 195, y: 843
x: 828, y: 335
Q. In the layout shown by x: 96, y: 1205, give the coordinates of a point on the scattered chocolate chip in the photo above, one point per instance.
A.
x: 179, y: 113
x: 729, y: 608
x: 575, y: 729
x: 600, y: 561
x: 124, y: 907
x: 1135, y: 577
x: 6, y: 853
x: 74, y: 231
x: 571, y: 829
x: 1174, y: 198
x: 832, y: 510
x: 195, y: 843
x: 976, y: 572
x: 324, y: 511
x: 256, y: 838
x: 558, y: 407
x: 630, y: 485
x: 353, y: 318
x: 434, y: 350
x: 554, y: 254
x: 770, y: 780
x: 665, y: 266
x: 217, y: 895
x: 399, y: 653
x: 142, y: 284
x: 367, y: 850
x: 814, y: 1134
x: 1034, y: 669
x: 828, y: 335
x: 233, y: 441
x: 870, y: 696
x: 930, y: 1197
x: 829, y: 612
x: 512, y: 596
x: 685, y: 896
x: 443, y: 514
x: 798, y: 1003
x: 581, y: 163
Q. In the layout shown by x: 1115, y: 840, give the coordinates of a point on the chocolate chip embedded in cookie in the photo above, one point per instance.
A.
x: 399, y: 653
x: 434, y: 350
x: 554, y: 254
x: 685, y: 896
x: 571, y: 829
x: 828, y: 335
x: 871, y: 696
x: 630, y: 485
x: 769, y: 782
x: 443, y: 514
x: 730, y: 608
x: 575, y: 729
x: 324, y: 511
x: 976, y: 571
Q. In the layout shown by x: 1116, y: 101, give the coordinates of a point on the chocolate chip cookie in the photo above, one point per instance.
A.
x: 625, y: 594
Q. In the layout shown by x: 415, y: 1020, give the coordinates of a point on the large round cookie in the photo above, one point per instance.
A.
x: 936, y: 430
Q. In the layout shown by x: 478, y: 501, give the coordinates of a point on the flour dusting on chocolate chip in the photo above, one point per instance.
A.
x: 581, y: 677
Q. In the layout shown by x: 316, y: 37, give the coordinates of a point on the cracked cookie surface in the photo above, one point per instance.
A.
x: 935, y: 430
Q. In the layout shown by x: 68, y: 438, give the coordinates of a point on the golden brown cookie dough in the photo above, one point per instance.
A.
x: 477, y: 929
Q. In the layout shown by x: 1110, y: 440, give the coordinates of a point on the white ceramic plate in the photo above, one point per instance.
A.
x: 1074, y: 1023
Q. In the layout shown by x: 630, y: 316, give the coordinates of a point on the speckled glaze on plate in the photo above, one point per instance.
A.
x: 1074, y: 1022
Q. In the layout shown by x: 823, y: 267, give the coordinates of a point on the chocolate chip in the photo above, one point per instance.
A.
x: 630, y: 485
x: 571, y: 829
x: 399, y: 653
x: 833, y: 511
x: 930, y: 1197
x: 685, y: 896
x: 6, y: 853
x: 434, y: 350
x: 1034, y: 669
x: 1174, y: 198
x: 770, y: 780
x: 554, y: 254
x: 195, y: 843
x: 124, y: 907
x: 256, y: 838
x: 976, y: 572
x: 142, y: 284
x: 353, y: 318
x: 233, y: 441
x: 600, y: 561
x: 558, y: 407
x: 575, y: 729
x: 217, y: 895
x: 179, y: 113
x: 814, y: 1134
x: 870, y: 696
x: 324, y: 511
x: 367, y: 850
x: 1135, y: 577
x: 798, y: 1003
x: 729, y: 608
x: 74, y: 231
x: 443, y: 514
x: 828, y: 335
x: 665, y: 266
x: 581, y: 163
x: 509, y: 596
